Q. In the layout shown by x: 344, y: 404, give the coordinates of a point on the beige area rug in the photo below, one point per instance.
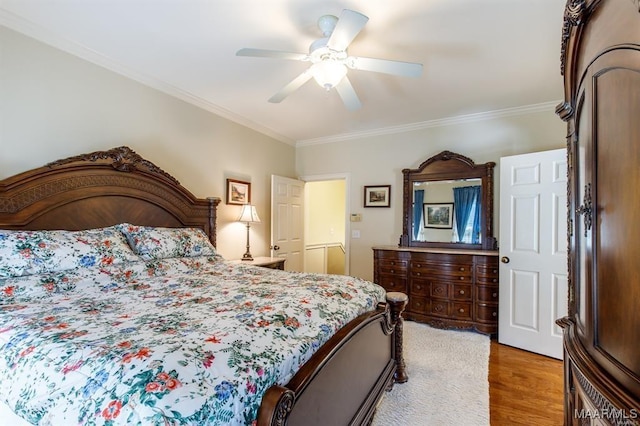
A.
x: 448, y: 380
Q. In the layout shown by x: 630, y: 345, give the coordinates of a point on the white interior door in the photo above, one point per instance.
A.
x: 533, y: 251
x: 287, y: 221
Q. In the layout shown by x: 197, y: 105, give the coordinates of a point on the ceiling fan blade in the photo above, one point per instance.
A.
x: 348, y: 94
x: 294, y: 85
x: 262, y: 53
x: 405, y: 69
x: 349, y: 25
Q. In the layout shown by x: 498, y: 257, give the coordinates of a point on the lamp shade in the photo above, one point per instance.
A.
x: 248, y: 214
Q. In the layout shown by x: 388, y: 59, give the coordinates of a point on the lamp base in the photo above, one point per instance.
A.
x: 247, y: 256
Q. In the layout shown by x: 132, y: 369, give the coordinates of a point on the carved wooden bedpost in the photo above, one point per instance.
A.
x: 397, y: 301
x: 280, y: 400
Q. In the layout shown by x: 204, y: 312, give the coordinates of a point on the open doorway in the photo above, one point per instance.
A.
x: 326, y: 225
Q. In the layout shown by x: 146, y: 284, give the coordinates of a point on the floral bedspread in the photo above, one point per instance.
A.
x: 173, y: 341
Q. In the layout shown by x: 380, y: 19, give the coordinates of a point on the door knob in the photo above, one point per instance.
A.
x: 275, y: 247
x: 505, y: 259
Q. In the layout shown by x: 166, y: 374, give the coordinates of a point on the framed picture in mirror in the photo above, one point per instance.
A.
x: 438, y: 215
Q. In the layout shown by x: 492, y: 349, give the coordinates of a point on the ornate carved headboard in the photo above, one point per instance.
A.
x: 100, y: 189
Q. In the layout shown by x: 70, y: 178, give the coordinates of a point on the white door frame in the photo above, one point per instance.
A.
x: 347, y: 207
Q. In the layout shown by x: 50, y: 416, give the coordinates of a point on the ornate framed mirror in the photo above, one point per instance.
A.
x: 448, y: 203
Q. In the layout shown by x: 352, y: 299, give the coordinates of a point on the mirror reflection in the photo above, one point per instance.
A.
x: 447, y: 211
x: 447, y: 202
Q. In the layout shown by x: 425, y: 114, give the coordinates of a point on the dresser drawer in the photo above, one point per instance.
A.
x: 384, y: 255
x: 393, y: 283
x: 487, y: 271
x: 461, y: 292
x: 452, y: 269
x: 434, y: 274
x: 392, y: 266
x: 439, y: 289
x: 487, y: 280
x: 419, y: 304
x: 461, y: 310
x: 439, y: 307
x: 487, y: 294
x: 419, y: 287
x: 487, y: 313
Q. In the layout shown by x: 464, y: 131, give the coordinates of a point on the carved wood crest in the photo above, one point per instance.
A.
x: 124, y: 160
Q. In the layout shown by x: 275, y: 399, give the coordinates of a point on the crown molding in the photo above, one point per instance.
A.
x: 442, y: 122
x: 46, y: 36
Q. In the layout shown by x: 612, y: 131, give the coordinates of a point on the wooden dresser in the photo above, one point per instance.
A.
x: 447, y: 288
x: 600, y: 60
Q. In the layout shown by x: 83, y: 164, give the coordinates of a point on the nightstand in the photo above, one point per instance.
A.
x: 265, y: 262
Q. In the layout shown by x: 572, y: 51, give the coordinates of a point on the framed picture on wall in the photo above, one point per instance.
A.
x: 438, y: 215
x: 377, y: 196
x: 238, y: 192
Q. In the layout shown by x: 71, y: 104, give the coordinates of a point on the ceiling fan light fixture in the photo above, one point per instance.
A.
x: 328, y: 73
x: 330, y: 60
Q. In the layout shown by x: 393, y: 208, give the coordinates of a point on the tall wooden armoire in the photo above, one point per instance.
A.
x: 600, y: 61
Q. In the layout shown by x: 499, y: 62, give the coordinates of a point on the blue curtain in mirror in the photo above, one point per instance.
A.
x: 475, y: 237
x: 418, y: 200
x: 465, y: 199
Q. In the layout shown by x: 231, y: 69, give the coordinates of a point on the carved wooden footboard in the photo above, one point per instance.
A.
x: 343, y: 382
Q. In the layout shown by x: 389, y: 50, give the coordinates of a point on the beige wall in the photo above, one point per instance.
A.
x: 54, y: 105
x: 379, y: 160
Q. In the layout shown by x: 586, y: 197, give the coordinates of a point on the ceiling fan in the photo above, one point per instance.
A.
x: 330, y: 61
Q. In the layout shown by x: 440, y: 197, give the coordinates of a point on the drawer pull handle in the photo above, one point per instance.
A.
x: 461, y: 310
x: 418, y: 273
x: 461, y: 291
x: 461, y: 278
x: 462, y: 268
x: 418, y: 287
x: 495, y: 294
x: 495, y: 314
x: 418, y: 265
x: 393, y: 271
x: 495, y: 280
x: 393, y: 263
x: 495, y: 271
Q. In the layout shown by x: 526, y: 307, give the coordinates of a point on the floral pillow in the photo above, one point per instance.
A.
x: 160, y: 243
x: 37, y: 252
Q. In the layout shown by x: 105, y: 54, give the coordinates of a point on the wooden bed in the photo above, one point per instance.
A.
x: 342, y: 382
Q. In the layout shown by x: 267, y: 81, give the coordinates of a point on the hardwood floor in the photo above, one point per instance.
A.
x: 524, y: 388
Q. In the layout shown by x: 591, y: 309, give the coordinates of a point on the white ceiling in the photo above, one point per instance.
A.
x: 479, y: 56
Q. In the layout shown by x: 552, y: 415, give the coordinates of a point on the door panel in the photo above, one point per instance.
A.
x: 533, y: 241
x: 524, y: 300
x: 287, y: 231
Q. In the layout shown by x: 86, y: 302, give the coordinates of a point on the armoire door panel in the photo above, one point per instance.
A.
x: 617, y: 205
x: 583, y: 168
